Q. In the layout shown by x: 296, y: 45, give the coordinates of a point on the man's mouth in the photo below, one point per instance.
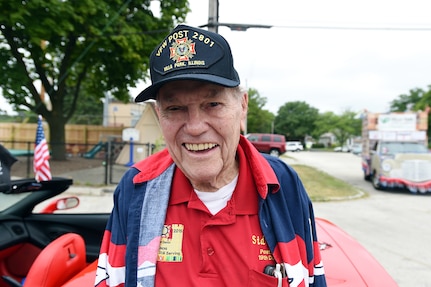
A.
x: 200, y: 146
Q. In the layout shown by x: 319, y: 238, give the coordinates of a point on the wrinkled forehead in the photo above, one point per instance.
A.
x: 171, y: 90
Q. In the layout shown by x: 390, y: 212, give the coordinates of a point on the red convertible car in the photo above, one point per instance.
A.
x: 52, y: 249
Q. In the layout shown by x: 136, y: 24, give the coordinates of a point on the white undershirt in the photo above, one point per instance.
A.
x: 217, y: 200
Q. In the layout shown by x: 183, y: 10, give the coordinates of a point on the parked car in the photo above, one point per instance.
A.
x: 272, y: 144
x: 294, y: 146
x: 37, y: 244
x: 344, y: 148
x: 65, y: 246
x: 356, y: 149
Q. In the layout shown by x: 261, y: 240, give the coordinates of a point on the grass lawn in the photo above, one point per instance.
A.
x: 321, y: 186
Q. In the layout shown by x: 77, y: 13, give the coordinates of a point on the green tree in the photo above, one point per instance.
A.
x: 89, y: 109
x: 417, y: 100
x: 325, y: 122
x: 347, y: 126
x: 101, y: 45
x: 296, y: 120
x: 259, y: 120
x: 343, y: 127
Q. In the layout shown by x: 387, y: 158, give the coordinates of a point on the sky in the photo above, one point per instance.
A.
x: 335, y: 55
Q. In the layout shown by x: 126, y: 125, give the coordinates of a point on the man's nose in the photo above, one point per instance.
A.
x: 195, y: 121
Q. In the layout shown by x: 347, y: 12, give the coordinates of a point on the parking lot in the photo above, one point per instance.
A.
x: 393, y: 225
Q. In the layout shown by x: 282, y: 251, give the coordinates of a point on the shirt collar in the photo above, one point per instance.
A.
x: 255, y: 173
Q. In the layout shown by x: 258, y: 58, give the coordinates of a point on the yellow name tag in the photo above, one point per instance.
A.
x: 171, y: 243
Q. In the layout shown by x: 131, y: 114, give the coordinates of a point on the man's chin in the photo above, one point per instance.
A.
x: 203, y: 176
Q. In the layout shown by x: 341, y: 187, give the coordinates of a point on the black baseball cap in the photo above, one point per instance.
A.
x: 190, y: 53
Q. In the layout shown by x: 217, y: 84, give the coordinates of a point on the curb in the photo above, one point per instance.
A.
x: 88, y: 190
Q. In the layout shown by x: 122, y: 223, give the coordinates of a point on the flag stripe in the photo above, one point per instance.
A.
x: 42, y: 170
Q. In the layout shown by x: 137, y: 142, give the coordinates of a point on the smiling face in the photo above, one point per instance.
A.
x: 201, y: 124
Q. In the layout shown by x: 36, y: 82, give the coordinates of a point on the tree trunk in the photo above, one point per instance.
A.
x: 57, y: 140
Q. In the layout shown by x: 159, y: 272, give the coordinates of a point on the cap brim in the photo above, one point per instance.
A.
x: 151, y: 91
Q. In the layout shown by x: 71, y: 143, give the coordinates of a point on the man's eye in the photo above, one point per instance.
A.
x: 214, y: 104
x: 173, y: 108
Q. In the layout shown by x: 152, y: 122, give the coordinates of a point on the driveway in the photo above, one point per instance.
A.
x: 394, y: 226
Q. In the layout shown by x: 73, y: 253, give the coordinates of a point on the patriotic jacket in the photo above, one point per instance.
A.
x: 131, y: 241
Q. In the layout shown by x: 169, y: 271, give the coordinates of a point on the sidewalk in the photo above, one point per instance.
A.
x: 87, y: 177
x: 89, y: 182
x: 92, y: 181
x: 86, y: 182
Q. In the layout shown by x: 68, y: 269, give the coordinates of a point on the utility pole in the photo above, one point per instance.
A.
x: 213, y: 16
x: 213, y: 23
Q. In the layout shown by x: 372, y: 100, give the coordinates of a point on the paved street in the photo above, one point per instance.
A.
x: 393, y: 226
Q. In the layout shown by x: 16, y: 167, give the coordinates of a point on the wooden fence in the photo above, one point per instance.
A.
x: 79, y: 138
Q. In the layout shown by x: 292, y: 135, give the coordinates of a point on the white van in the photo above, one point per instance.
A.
x: 294, y: 146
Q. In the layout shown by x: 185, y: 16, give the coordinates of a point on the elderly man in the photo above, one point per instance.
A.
x: 209, y: 210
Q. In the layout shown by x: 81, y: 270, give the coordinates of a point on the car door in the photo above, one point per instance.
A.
x: 24, y: 232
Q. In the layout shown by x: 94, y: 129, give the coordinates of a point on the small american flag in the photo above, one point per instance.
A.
x: 42, y: 171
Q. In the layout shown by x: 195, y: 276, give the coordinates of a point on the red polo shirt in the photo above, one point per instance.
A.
x: 201, y: 249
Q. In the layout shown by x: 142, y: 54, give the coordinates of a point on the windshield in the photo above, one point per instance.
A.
x: 7, y: 200
x: 402, y: 147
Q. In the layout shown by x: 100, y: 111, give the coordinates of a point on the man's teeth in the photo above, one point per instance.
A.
x: 200, y: 147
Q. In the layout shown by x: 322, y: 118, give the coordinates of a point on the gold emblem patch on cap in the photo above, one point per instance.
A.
x: 182, y: 50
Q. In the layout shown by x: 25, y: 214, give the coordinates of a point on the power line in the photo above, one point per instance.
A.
x: 354, y: 28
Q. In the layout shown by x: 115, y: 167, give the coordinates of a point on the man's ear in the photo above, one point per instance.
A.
x: 244, y: 106
x: 157, y: 109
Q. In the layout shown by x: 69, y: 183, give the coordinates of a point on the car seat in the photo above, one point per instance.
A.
x: 57, y: 263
